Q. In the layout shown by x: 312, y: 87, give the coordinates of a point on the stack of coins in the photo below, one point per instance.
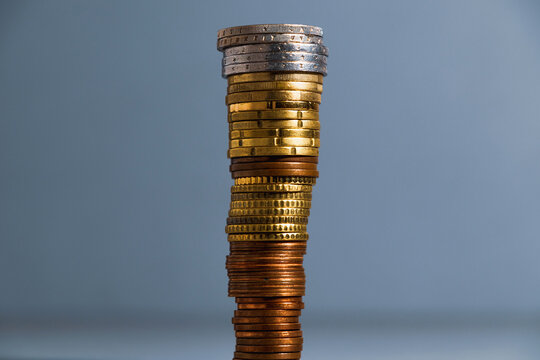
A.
x: 275, y: 74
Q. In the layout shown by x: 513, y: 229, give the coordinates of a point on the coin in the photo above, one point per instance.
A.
x: 269, y: 334
x: 271, y: 76
x: 269, y: 211
x: 270, y: 341
x: 303, y: 159
x: 278, y: 165
x: 275, y: 172
x: 265, y: 48
x: 273, y: 114
x: 274, y: 104
x: 268, y: 348
x: 275, y: 179
x: 270, y: 28
x: 270, y: 306
x: 264, y: 320
x: 277, y: 300
x: 275, y: 85
x: 266, y: 356
x: 272, y: 57
x: 267, y: 327
x: 239, y: 40
x: 271, y: 196
x: 273, y: 151
x: 270, y: 187
x: 242, y: 204
x: 275, y: 124
x: 315, y: 67
x: 258, y: 313
x: 276, y: 132
x: 272, y: 95
x: 266, y: 219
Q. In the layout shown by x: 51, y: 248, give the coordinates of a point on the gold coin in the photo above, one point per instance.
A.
x: 242, y: 204
x: 274, y: 180
x: 273, y: 196
x: 275, y: 85
x: 272, y: 151
x: 268, y: 211
x: 276, y: 141
x: 260, y: 228
x: 267, y: 220
x: 274, y: 115
x: 272, y: 76
x: 289, y: 133
x: 271, y: 188
x: 272, y: 105
x: 276, y: 95
x: 275, y: 124
x: 269, y: 237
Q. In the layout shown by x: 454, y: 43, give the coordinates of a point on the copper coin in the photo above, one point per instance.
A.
x: 259, y: 267
x: 248, y: 159
x: 263, y: 306
x: 299, y: 275
x: 264, y: 287
x: 268, y: 348
x: 267, y: 356
x: 273, y: 165
x: 258, y: 313
x: 265, y: 300
x: 268, y: 334
x: 265, y: 342
x: 241, y: 245
x: 265, y: 320
x: 266, y: 282
x: 266, y: 293
x: 267, y: 327
x: 275, y: 172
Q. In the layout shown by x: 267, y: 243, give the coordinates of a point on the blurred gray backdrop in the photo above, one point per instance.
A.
x: 114, y: 179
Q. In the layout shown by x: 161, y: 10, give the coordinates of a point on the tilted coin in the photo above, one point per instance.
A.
x: 240, y: 40
x: 276, y: 48
x: 305, y: 133
x: 270, y: 28
x: 268, y: 237
x: 275, y: 85
x: 273, y: 57
x: 274, y: 180
x: 273, y: 150
x: 272, y: 76
x: 315, y: 67
x: 272, y: 105
x: 269, y: 95
x: 280, y: 203
x: 279, y: 114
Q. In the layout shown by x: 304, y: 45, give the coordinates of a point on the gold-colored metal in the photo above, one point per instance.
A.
x: 264, y: 228
x: 275, y: 85
x: 271, y: 188
x: 279, y: 132
x: 271, y: 196
x: 271, y: 76
x: 243, y: 204
x: 274, y: 115
x: 273, y: 151
x: 270, y: 211
x: 269, y: 237
x: 277, y: 95
x: 275, y: 141
x: 274, y: 105
x: 275, y: 124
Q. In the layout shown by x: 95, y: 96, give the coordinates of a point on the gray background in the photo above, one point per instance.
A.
x: 114, y: 179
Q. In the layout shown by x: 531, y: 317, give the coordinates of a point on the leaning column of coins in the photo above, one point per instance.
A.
x: 274, y: 74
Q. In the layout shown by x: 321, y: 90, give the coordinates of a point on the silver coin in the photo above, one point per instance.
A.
x: 301, y: 66
x: 273, y: 56
x: 270, y: 28
x: 224, y: 43
x: 287, y: 47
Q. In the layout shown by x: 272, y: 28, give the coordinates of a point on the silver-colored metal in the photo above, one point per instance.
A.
x: 270, y: 28
x: 273, y: 57
x: 282, y: 47
x: 226, y: 42
x: 304, y: 66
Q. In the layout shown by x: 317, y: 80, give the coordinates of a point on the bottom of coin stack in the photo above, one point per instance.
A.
x: 268, y: 239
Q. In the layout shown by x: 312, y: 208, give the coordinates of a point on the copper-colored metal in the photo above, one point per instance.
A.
x: 257, y: 313
x: 275, y: 172
x: 267, y: 327
x: 252, y: 159
x: 268, y: 348
x: 267, y: 356
x: 269, y: 334
x: 265, y: 320
x: 294, y: 341
x: 273, y: 165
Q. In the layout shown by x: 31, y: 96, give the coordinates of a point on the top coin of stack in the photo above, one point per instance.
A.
x: 272, y: 47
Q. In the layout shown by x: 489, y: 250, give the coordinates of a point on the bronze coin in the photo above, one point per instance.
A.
x: 275, y: 172
x: 266, y: 293
x: 263, y: 306
x: 265, y: 320
x: 254, y: 282
x: 265, y: 300
x: 241, y: 245
x: 267, y: 356
x: 262, y: 313
x: 267, y: 327
x: 273, y: 165
x: 248, y: 159
x: 268, y: 334
x: 268, y: 348
x: 295, y: 341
